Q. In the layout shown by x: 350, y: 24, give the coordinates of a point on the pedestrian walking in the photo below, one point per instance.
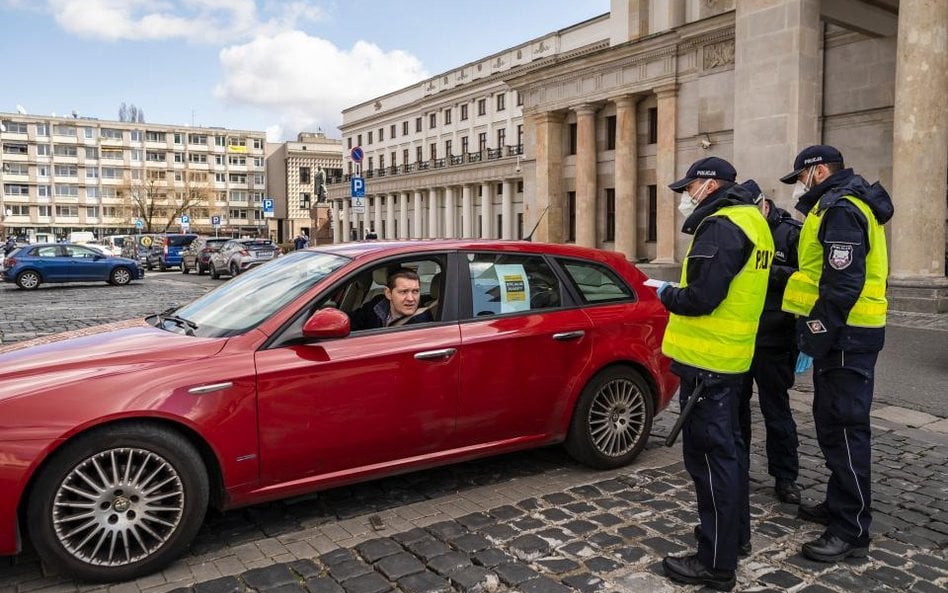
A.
x: 710, y: 338
x: 775, y: 356
x: 9, y: 246
x: 839, y: 297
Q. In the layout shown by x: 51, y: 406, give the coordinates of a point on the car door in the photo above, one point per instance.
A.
x: 51, y: 261
x: 86, y: 264
x: 363, y: 401
x: 523, y: 347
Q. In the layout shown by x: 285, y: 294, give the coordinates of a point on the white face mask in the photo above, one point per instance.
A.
x: 686, y: 205
x: 802, y: 187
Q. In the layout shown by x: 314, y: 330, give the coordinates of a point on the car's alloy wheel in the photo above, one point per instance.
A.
x: 119, y: 503
x: 234, y: 269
x: 120, y: 276
x: 612, y: 419
x: 28, y: 280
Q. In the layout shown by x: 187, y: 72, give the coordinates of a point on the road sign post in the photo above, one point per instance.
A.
x: 216, y: 223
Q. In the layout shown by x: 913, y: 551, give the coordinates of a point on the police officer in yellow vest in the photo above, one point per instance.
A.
x: 838, y: 295
x: 710, y: 337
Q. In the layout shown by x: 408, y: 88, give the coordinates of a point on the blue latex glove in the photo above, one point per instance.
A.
x: 804, y: 362
x: 662, y: 287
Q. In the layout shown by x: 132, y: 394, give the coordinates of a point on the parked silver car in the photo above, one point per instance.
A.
x: 239, y: 255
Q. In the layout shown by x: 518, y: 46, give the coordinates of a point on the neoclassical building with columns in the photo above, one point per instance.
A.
x: 575, y: 134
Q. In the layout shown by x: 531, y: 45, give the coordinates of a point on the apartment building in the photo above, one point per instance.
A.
x: 63, y: 174
x: 578, y: 132
x: 295, y: 170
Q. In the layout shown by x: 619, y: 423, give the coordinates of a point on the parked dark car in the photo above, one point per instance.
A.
x: 116, y: 441
x: 197, y: 255
x: 166, y: 251
x: 33, y: 265
x: 138, y: 246
x: 239, y: 255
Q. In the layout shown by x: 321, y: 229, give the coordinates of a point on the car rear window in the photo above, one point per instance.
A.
x: 595, y: 282
x: 180, y: 240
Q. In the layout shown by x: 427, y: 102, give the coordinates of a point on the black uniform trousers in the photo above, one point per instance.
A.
x: 773, y: 371
x: 843, y: 385
x: 715, y: 457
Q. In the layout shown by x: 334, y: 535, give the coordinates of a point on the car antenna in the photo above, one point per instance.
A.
x: 530, y: 236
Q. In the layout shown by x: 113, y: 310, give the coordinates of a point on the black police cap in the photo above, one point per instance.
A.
x: 812, y: 155
x: 710, y: 167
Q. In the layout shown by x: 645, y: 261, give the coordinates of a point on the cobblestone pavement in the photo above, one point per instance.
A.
x: 536, y: 522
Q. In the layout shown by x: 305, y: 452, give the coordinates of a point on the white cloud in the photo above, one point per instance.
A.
x: 198, y: 21
x: 309, y: 80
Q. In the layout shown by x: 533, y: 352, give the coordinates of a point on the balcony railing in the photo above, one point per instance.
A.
x: 489, y: 154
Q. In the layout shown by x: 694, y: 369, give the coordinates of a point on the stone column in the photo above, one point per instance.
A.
x: 433, y: 213
x: 390, y: 216
x: 377, y: 219
x: 403, y: 216
x: 665, y: 174
x: 467, y: 212
x: 346, y: 221
x: 487, y: 212
x: 626, y: 183
x: 550, y: 201
x: 336, y: 222
x: 506, y: 210
x: 586, y: 186
x: 776, y: 52
x: 417, y: 230
x: 449, y: 211
x: 920, y: 158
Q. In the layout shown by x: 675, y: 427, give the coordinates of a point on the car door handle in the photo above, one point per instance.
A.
x: 435, y: 354
x: 573, y: 335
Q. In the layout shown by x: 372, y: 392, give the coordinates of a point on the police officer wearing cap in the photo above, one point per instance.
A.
x: 775, y: 355
x: 710, y: 338
x: 838, y: 295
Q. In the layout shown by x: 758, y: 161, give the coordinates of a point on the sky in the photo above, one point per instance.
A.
x: 279, y: 66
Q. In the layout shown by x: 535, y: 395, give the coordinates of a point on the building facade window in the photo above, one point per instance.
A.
x: 447, y: 116
x: 305, y: 175
x: 610, y: 214
x: 464, y: 145
x: 571, y: 216
x: 433, y: 150
x: 405, y: 128
x: 447, y: 149
x: 501, y: 101
x: 369, y: 137
x: 571, y: 143
x: 417, y: 124
x: 381, y: 134
x: 652, y: 125
x: 464, y: 112
x: 482, y: 141
x: 611, y: 132
x: 501, y: 137
x: 651, y: 231
x: 391, y: 131
x: 433, y: 121
x: 482, y: 107
x: 418, y: 154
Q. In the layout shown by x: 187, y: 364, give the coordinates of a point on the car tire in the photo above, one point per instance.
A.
x: 184, y: 268
x: 120, y: 276
x: 234, y: 269
x: 213, y: 270
x: 113, y: 471
x: 148, y: 266
x: 162, y: 267
x: 201, y: 270
x: 29, y: 279
x: 612, y: 419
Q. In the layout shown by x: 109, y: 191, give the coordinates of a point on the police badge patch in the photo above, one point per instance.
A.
x: 816, y: 326
x: 840, y: 256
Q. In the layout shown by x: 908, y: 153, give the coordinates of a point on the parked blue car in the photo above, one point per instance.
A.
x: 166, y: 250
x: 33, y: 265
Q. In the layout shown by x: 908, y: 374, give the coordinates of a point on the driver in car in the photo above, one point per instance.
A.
x: 397, y: 305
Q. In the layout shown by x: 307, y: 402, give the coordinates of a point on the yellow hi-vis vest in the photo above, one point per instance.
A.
x: 723, y: 341
x: 803, y: 287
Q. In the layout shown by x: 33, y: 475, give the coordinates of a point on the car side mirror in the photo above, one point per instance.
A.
x: 327, y: 323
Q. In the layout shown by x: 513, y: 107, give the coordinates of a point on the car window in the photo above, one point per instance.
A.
x: 47, y: 251
x: 82, y: 252
x: 179, y: 240
x: 596, y: 283
x: 504, y: 283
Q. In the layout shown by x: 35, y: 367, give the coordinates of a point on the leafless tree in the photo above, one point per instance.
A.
x: 159, y: 203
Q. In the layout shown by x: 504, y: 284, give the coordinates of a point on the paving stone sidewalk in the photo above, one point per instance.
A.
x: 537, y: 523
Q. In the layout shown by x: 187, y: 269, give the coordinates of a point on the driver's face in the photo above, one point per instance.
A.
x: 404, y: 296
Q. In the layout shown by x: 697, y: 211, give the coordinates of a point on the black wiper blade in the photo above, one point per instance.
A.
x: 188, y: 325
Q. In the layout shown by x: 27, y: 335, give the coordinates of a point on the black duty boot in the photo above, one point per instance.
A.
x: 815, y: 513
x: 743, y: 550
x: 691, y: 571
x: 787, y: 491
x: 829, y: 548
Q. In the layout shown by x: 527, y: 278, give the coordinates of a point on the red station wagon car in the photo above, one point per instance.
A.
x: 116, y: 441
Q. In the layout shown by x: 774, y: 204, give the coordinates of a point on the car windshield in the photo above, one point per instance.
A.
x: 250, y: 298
x: 180, y: 240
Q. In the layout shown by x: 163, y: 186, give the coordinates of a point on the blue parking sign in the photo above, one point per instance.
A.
x: 357, y: 187
x: 216, y: 220
x: 185, y: 219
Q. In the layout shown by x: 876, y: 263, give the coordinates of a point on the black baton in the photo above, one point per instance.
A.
x: 692, y: 400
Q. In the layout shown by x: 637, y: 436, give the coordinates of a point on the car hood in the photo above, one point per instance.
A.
x: 125, y: 346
